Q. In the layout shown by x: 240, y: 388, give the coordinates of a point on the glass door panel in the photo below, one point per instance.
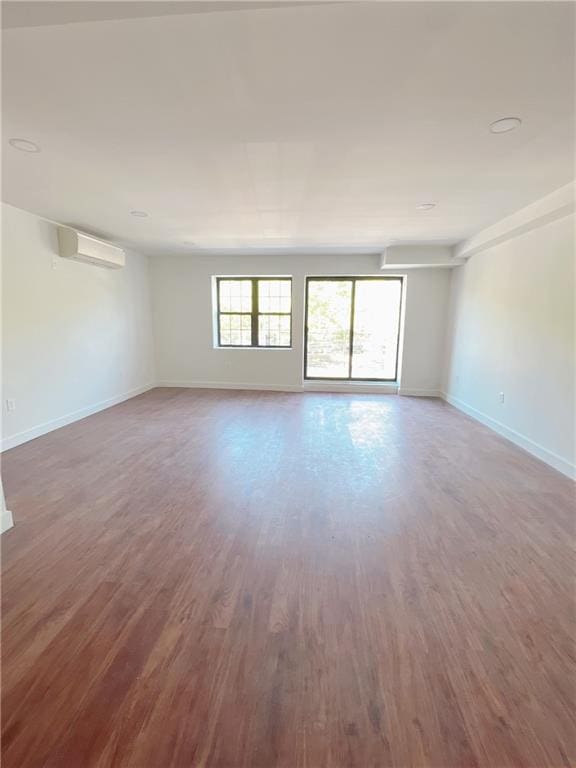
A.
x: 352, y: 328
x: 376, y: 325
x: 329, y: 313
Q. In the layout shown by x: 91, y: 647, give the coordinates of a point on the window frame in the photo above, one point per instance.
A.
x: 353, y: 279
x: 254, y: 313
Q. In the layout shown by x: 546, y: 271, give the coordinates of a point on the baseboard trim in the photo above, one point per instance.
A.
x: 49, y: 426
x: 537, y: 450
x: 228, y: 385
x: 407, y: 392
x: 6, y: 521
x: 352, y: 388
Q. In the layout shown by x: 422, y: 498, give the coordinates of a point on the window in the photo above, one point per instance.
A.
x: 352, y: 328
x: 254, y: 311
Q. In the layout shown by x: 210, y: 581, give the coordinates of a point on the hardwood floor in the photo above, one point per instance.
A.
x: 266, y: 580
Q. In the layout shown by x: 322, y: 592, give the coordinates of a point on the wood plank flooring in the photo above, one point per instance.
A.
x: 266, y: 580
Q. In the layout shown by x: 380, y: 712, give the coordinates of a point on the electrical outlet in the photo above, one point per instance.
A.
x: 501, y: 397
x: 10, y: 405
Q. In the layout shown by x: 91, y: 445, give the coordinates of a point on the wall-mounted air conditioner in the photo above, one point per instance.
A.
x: 81, y: 247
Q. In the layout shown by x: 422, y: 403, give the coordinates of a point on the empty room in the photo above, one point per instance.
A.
x: 288, y: 387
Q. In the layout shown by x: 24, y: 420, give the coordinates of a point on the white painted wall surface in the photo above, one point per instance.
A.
x: 183, y: 320
x: 511, y: 330
x: 75, y: 337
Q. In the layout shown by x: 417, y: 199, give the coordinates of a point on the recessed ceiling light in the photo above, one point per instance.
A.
x: 425, y: 206
x: 24, y: 145
x: 505, y: 124
x: 139, y: 214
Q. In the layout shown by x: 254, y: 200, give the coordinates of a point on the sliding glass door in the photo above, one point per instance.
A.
x: 352, y: 328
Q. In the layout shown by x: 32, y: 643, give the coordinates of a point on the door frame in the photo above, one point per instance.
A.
x: 353, y: 279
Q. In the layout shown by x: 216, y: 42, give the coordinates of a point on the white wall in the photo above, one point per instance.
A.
x: 75, y: 337
x: 512, y: 330
x: 183, y: 320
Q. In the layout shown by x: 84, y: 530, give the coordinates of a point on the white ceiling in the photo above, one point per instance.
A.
x: 300, y: 127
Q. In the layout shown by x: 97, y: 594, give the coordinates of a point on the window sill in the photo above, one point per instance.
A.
x: 352, y: 383
x: 253, y: 349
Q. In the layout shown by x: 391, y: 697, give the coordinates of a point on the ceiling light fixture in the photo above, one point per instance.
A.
x: 24, y: 145
x: 505, y: 124
x: 425, y: 206
x: 139, y: 214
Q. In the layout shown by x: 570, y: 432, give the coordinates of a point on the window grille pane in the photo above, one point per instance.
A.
x: 235, y: 295
x: 274, y: 295
x: 235, y: 330
x: 274, y: 330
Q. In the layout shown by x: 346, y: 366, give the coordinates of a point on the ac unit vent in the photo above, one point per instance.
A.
x: 80, y: 247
